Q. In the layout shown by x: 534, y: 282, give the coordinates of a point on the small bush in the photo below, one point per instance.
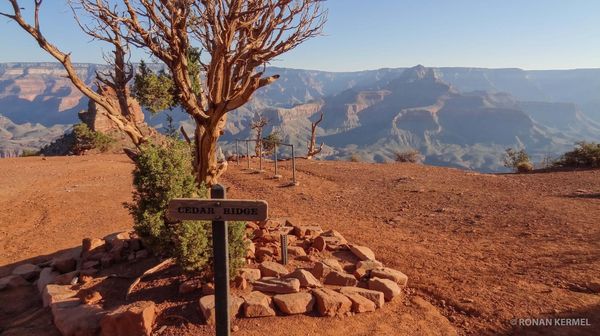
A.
x: 86, y: 139
x: 163, y: 173
x: 355, y: 158
x: 514, y: 159
x: 585, y: 155
x: 524, y: 167
x: 410, y: 156
x: 30, y: 152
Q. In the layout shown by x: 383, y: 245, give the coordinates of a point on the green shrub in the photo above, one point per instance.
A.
x: 161, y: 174
x: 86, y: 139
x: 517, y: 158
x: 30, y: 152
x: 585, y: 155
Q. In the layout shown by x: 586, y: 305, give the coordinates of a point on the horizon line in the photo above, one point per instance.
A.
x: 335, y: 71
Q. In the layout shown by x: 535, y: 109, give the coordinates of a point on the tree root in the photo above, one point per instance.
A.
x: 162, y: 265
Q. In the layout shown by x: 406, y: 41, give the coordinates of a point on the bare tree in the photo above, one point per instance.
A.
x: 237, y: 38
x: 258, y: 125
x: 107, y: 31
x: 312, y: 144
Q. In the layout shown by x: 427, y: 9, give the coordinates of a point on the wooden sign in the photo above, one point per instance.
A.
x: 217, y: 210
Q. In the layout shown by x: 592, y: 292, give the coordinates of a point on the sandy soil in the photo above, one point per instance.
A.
x: 483, y: 249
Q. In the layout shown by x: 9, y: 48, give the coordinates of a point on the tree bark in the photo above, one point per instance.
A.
x: 207, y: 168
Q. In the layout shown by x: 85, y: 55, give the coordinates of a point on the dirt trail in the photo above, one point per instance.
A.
x: 484, y: 249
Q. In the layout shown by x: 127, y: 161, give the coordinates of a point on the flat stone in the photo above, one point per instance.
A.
x: 77, y: 320
x: 250, y: 274
x: 360, y: 304
x: 12, y: 281
x: 327, y: 265
x: 390, y: 274
x: 363, y: 268
x: 258, y: 304
x: 272, y: 269
x: 47, y: 276
x: 27, y: 271
x: 336, y: 278
x: 276, y: 285
x: 295, y: 251
x: 306, y: 278
x: 376, y: 297
x: 362, y: 252
x: 130, y: 320
x: 207, y: 307
x: 64, y: 264
x: 331, y: 303
x: 389, y: 288
x: 297, y: 303
x: 56, y: 293
x: 335, y: 234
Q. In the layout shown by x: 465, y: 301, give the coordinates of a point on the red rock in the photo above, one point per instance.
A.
x: 306, y: 278
x: 272, y: 269
x: 47, y: 276
x: 56, y: 293
x: 331, y: 303
x: 258, y: 304
x: 362, y: 252
x: 27, y: 271
x: 375, y: 296
x: 297, y: 303
x: 390, y: 274
x: 321, y: 269
x: 295, y: 251
x: 363, y: 268
x: 64, y: 264
x: 72, y: 319
x: 91, y: 246
x: 12, y: 281
x: 65, y: 279
x: 92, y: 298
x: 336, y: 278
x: 276, y: 285
x: 207, y: 307
x: 250, y: 274
x: 361, y: 304
x: 130, y: 320
x: 240, y: 282
x: 389, y: 288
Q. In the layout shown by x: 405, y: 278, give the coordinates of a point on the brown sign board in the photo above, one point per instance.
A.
x: 217, y: 210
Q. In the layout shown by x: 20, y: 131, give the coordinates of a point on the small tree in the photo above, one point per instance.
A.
x: 270, y: 141
x: 312, y: 144
x: 518, y: 160
x: 257, y: 125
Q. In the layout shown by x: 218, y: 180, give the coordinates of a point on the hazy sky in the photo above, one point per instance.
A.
x: 370, y: 34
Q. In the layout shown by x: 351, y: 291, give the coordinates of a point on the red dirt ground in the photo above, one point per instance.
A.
x: 483, y: 249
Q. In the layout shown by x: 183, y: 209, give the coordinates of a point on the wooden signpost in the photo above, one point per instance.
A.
x: 219, y: 210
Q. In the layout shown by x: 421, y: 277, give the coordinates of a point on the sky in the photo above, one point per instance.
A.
x: 372, y: 34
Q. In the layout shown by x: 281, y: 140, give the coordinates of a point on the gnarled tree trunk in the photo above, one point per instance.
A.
x: 208, y: 169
